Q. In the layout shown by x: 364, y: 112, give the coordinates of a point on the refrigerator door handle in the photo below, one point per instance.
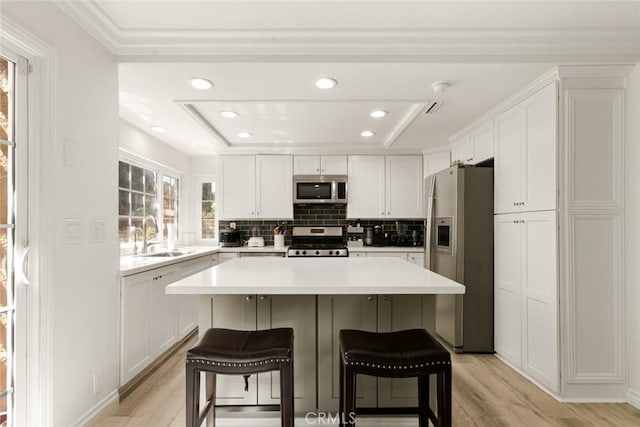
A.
x: 430, y: 187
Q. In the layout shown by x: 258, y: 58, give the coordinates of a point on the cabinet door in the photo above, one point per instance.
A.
x: 462, y: 151
x: 357, y: 254
x: 164, y: 313
x: 306, y: 165
x: 482, y: 141
x: 540, y: 298
x: 508, y: 281
x: 395, y: 313
x: 539, y: 181
x: 436, y: 162
x: 509, y: 132
x: 135, y: 325
x: 366, y: 187
x: 297, y: 312
x: 234, y: 312
x: 404, y: 195
x: 336, y: 312
x: 236, y: 187
x: 274, y: 187
x: 333, y: 165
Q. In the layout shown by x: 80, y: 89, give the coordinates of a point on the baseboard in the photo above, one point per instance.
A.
x: 633, y: 398
x: 105, y: 407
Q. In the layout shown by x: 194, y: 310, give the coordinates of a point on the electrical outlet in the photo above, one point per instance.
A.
x: 232, y: 225
x: 98, y: 382
x: 73, y: 230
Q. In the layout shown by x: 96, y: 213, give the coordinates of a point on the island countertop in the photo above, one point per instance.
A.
x: 315, y: 276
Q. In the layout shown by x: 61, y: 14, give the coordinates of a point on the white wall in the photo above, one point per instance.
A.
x: 633, y: 232
x: 145, y: 146
x: 84, y: 283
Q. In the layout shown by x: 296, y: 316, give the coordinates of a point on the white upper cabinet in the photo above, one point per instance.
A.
x: 366, y: 187
x: 385, y: 187
x: 462, y: 151
x: 274, y: 187
x: 252, y: 187
x: 435, y: 162
x: 525, y: 177
x: 320, y: 165
x: 404, y: 198
x: 236, y: 187
x: 475, y: 147
x: 482, y: 140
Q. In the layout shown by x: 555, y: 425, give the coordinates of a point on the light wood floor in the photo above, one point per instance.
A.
x: 486, y: 392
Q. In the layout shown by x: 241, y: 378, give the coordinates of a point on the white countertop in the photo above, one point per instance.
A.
x: 133, y: 264
x: 386, y: 249
x: 315, y: 276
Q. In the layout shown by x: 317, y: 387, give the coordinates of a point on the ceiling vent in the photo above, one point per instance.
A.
x: 434, y: 107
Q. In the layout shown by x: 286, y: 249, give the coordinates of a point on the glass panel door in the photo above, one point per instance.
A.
x: 12, y: 138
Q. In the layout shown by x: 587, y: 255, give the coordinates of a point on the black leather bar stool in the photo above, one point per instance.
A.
x: 228, y: 351
x: 401, y: 354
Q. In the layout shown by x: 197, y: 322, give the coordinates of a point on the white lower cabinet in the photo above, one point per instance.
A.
x: 297, y: 312
x: 248, y: 312
x: 526, y: 294
x: 151, y: 321
x: 383, y: 313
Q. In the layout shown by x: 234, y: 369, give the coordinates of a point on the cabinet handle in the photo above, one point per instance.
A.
x: 317, y: 170
x: 468, y: 160
x: 388, y: 213
x: 248, y: 298
x: 522, y: 221
x: 262, y: 297
x: 382, y: 213
x: 369, y: 298
x: 384, y: 298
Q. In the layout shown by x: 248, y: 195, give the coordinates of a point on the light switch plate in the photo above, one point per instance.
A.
x: 96, y: 231
x: 73, y: 230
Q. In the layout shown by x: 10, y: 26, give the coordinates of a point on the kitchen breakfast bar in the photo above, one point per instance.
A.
x: 317, y: 297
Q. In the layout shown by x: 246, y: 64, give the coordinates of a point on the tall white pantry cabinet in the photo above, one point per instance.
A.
x: 559, y: 231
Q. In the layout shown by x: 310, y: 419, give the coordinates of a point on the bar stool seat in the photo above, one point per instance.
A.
x: 400, y: 354
x: 235, y: 352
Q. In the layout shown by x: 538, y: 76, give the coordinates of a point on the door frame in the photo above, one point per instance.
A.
x: 34, y: 396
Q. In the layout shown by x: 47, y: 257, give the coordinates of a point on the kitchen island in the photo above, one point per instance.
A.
x: 316, y: 297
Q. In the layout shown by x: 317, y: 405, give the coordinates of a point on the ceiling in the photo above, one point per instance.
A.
x: 264, y: 56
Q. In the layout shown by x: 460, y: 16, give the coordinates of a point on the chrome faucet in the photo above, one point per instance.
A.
x: 145, y: 243
x: 135, y: 239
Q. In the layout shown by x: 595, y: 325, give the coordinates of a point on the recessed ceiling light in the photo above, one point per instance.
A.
x: 200, y: 83
x: 159, y: 129
x: 244, y: 135
x: 326, y: 83
x: 367, y: 133
x: 229, y: 114
x: 376, y: 114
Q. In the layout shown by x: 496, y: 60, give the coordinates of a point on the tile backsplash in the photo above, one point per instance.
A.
x: 314, y: 214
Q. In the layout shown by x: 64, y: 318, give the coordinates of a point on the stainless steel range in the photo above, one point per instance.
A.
x: 317, y: 242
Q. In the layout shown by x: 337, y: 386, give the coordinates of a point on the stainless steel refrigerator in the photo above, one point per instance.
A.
x: 459, y: 245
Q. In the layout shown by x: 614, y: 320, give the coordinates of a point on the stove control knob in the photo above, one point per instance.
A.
x: 317, y: 252
x: 331, y: 252
x: 304, y: 252
x: 297, y: 252
x: 337, y: 253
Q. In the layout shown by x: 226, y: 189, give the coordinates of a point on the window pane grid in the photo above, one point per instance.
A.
x: 208, y: 217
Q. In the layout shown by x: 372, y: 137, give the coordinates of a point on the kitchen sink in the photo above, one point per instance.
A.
x: 165, y: 254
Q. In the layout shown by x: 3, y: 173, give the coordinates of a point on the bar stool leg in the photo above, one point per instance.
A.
x: 210, y: 381
x: 423, y: 401
x: 349, y: 397
x: 192, y: 395
x: 447, y: 418
x: 286, y: 395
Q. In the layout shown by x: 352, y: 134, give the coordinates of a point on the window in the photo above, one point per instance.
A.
x: 139, y: 196
x: 208, y: 217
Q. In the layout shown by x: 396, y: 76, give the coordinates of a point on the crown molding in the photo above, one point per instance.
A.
x: 540, y: 42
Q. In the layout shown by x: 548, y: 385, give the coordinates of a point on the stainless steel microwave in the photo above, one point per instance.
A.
x: 319, y: 189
